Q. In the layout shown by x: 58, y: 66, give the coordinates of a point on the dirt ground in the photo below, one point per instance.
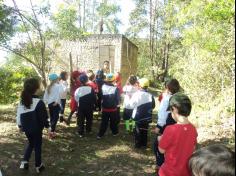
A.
x: 73, y: 156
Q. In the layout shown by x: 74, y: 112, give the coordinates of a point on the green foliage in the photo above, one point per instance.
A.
x: 65, y: 23
x: 12, y: 76
x: 205, y: 62
x: 7, y: 21
x: 107, y: 12
x: 201, y: 54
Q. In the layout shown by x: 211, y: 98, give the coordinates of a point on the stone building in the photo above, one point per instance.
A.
x: 89, y: 54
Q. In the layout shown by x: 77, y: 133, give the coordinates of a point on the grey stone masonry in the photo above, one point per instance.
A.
x: 89, y: 54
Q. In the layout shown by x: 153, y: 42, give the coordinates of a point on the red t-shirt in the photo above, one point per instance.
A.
x: 179, y: 142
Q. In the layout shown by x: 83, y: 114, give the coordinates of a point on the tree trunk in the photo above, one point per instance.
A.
x: 84, y: 13
x: 151, y: 39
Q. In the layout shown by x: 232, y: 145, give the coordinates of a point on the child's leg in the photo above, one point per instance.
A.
x: 104, y: 124
x: 54, y: 116
x: 127, y: 125
x: 38, y: 149
x: 99, y: 102
x: 132, y: 124
x: 160, y: 157
x: 81, y: 119
x: 114, y: 122
x: 126, y: 120
x: 29, y: 148
x: 144, y: 134
x: 118, y: 115
x: 63, y: 105
x: 137, y: 140
x: 89, y: 121
x: 69, y: 118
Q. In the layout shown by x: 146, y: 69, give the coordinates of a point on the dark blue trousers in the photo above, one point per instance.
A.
x: 54, y: 115
x: 113, y: 118
x: 141, y: 134
x: 159, y: 156
x: 85, y: 114
x: 35, y: 143
x: 63, y: 105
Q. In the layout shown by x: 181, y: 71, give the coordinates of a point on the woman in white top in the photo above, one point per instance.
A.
x: 53, y: 99
x: 64, y: 90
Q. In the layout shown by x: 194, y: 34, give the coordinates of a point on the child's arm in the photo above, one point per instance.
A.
x: 165, y: 140
x: 162, y: 113
x: 18, y: 122
x: 117, y: 97
x: 45, y: 96
x: 153, y: 103
x: 76, y: 95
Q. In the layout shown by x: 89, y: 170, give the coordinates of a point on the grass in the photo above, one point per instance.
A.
x: 72, y: 156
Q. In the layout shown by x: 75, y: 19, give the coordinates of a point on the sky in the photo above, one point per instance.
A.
x: 126, y: 7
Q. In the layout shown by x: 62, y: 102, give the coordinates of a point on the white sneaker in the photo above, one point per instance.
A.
x: 24, y: 165
x: 40, y: 168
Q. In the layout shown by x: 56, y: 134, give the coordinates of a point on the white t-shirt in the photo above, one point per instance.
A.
x: 64, y: 89
x: 129, y: 91
x: 163, y: 113
x: 54, y: 96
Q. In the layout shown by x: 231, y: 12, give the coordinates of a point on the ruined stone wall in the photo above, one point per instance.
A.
x: 91, y: 52
x: 129, y: 59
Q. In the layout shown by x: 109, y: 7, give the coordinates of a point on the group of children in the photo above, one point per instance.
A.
x: 176, y: 137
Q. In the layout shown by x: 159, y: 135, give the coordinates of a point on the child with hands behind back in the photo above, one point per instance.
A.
x: 32, y: 118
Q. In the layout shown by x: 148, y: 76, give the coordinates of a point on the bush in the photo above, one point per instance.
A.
x: 12, y: 81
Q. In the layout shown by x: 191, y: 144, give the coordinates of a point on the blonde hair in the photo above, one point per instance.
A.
x: 50, y: 85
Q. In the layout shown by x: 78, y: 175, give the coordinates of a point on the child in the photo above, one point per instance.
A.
x: 64, y: 91
x: 110, y: 101
x: 179, y: 140
x: 164, y: 116
x: 214, y: 160
x: 99, y: 81
x: 91, y: 81
x: 129, y: 89
x: 32, y: 118
x: 143, y: 103
x: 53, y: 100
x: 75, y: 84
x: 86, y: 99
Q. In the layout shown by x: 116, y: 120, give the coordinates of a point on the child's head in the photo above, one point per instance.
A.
x: 214, y: 160
x: 30, y: 88
x: 106, y: 65
x: 53, y: 80
x: 91, y: 75
x: 133, y: 80
x: 180, y: 105
x: 110, y: 78
x: 64, y: 75
x: 173, y: 86
x: 144, y: 83
x: 83, y: 78
x: 75, y: 75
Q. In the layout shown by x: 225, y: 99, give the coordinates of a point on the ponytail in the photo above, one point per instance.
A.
x: 30, y: 87
x: 50, y: 86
